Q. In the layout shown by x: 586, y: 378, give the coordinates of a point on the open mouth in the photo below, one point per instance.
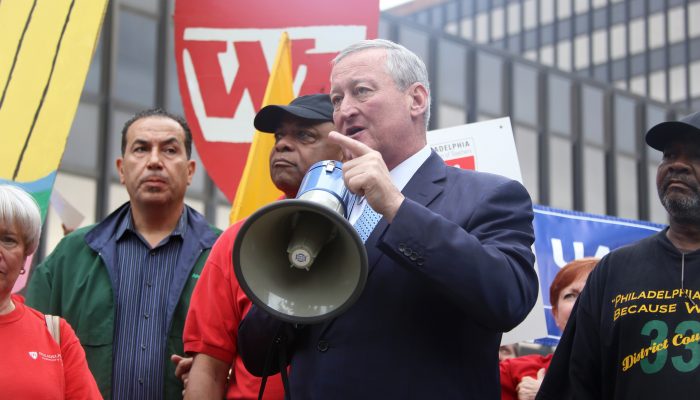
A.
x: 352, y: 131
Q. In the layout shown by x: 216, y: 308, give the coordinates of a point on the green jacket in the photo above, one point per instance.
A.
x: 74, y: 281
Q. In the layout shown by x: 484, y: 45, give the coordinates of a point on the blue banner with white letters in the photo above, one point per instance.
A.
x: 563, y: 236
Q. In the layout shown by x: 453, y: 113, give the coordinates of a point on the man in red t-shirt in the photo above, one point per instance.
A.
x: 218, y: 304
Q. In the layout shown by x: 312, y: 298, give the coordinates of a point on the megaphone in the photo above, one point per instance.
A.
x: 300, y: 259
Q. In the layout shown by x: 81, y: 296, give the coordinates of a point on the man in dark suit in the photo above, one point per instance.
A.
x: 450, y: 261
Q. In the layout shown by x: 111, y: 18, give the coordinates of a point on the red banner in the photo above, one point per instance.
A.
x: 224, y: 52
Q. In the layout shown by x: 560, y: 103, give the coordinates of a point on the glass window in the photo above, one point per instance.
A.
x: 599, y: 3
x: 489, y: 83
x: 530, y: 10
x: 618, y: 42
x: 656, y: 30
x: 416, y: 41
x: 546, y: 11
x: 482, y: 28
x: 80, y: 153
x: 695, y: 79
x: 514, y: 44
x: 559, y: 98
x: 582, y: 58
x: 657, y: 59
x: 600, y: 46
x: 592, y: 114
x: 563, y: 8
x: 560, y: 173
x: 525, y: 95
x: 637, y: 65
x: 134, y: 79
x: 625, y: 130
x: 564, y: 56
x: 513, y: 18
x: 626, y: 187
x: 452, y: 73
x: 656, y: 6
x: 677, y: 89
x: 657, y: 85
x: 694, y: 15
x: 580, y: 6
x: 638, y: 85
x: 547, y: 55
x: 467, y: 28
x: 637, y: 33
x: 676, y: 25
x: 600, y: 72
x: 497, y: 28
x: 528, y: 156
x: 531, y: 39
x: 594, y: 180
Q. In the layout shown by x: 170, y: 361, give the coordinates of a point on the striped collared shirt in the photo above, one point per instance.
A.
x: 143, y: 277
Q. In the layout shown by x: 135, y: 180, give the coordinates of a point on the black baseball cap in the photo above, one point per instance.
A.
x: 314, y: 107
x: 662, y: 134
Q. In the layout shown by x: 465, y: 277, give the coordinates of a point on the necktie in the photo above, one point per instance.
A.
x: 366, y: 223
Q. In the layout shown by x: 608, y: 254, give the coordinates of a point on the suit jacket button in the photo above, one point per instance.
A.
x: 322, y: 346
x: 402, y: 247
x: 420, y: 262
x: 414, y: 256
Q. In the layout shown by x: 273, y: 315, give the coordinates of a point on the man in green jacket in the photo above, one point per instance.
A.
x: 124, y: 284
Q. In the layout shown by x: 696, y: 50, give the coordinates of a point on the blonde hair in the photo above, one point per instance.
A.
x: 19, y: 209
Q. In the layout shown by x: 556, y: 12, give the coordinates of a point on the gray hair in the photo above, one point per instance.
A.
x: 404, y: 66
x: 18, y: 208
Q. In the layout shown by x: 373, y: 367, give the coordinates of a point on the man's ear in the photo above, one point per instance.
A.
x: 419, y: 99
x: 120, y: 170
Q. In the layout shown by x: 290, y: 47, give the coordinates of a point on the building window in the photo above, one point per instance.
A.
x: 624, y: 123
x: 490, y: 83
x: 560, y: 173
x: 657, y: 85
x: 594, y: 180
x: 546, y: 11
x: 637, y: 34
x: 564, y: 55
x: 559, y: 98
x: 497, y: 28
x: 563, y: 9
x: 136, y: 59
x: 482, y: 28
x: 547, y: 55
x: 626, y: 187
x: 618, y: 42
x: 677, y: 89
x: 525, y: 94
x: 580, y: 6
x: 656, y: 31
x: 582, y: 58
x: 530, y: 14
x: 694, y: 15
x: 600, y: 47
x: 528, y: 156
x: 676, y: 25
x: 513, y: 18
x: 592, y: 102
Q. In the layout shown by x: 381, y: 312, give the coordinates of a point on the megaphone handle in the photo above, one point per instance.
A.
x: 278, y: 346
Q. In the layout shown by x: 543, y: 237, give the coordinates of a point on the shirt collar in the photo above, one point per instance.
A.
x: 403, y: 172
x: 127, y: 224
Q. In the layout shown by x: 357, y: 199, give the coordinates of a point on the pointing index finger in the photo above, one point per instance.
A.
x: 354, y: 147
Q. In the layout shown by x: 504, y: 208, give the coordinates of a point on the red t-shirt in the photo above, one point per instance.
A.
x: 217, y: 306
x: 33, y: 366
x: 513, y: 370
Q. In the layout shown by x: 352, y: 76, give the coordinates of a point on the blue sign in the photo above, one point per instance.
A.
x: 563, y: 236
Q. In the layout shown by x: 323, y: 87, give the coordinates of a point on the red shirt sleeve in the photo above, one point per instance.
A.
x: 80, y: 384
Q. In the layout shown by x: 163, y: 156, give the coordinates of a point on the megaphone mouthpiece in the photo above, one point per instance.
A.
x: 311, y: 231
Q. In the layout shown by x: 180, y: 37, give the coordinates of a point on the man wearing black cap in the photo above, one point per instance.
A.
x: 635, y: 331
x: 218, y: 304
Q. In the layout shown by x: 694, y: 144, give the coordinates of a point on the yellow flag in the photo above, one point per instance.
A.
x: 256, y: 188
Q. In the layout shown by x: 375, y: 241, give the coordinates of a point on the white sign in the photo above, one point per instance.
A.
x: 488, y: 146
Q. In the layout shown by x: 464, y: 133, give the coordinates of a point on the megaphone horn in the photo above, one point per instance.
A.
x: 300, y: 259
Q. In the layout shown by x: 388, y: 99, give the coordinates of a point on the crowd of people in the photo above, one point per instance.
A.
x: 145, y: 305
